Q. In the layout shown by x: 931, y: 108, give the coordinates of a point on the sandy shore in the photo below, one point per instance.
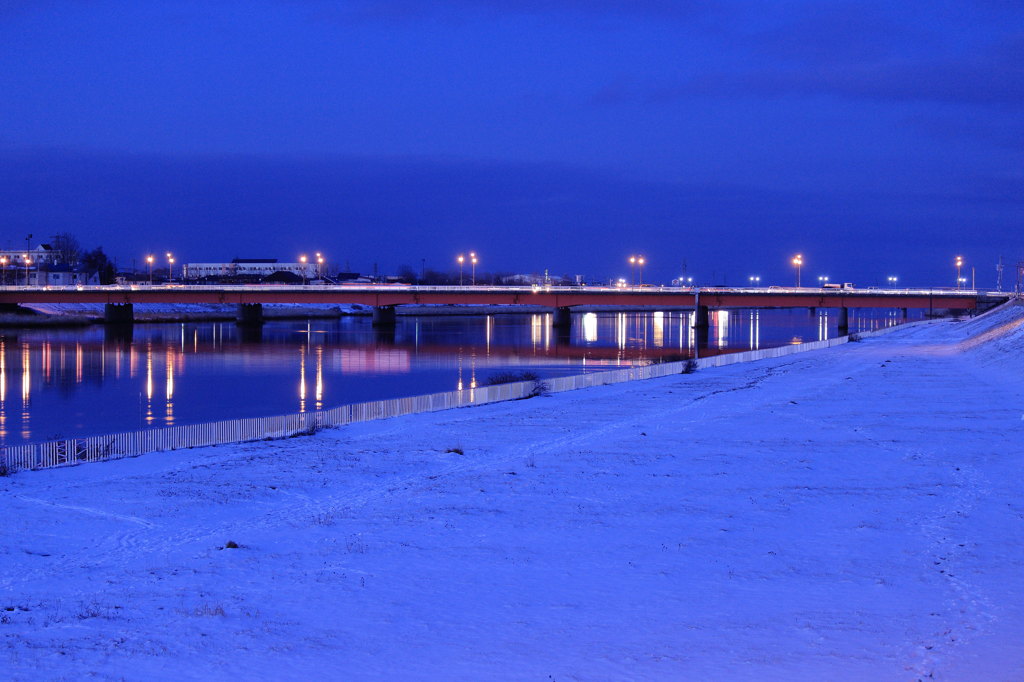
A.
x: 856, y: 513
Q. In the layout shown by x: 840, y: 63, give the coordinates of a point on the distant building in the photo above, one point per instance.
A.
x: 62, y: 276
x: 248, y: 269
x: 40, y: 255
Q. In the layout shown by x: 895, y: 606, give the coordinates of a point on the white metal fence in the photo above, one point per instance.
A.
x: 98, y: 448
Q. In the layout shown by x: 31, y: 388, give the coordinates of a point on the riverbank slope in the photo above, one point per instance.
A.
x: 854, y: 513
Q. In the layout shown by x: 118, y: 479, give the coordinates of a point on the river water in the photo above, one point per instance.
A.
x: 65, y: 383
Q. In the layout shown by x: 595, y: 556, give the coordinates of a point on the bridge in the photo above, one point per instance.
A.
x: 119, y: 299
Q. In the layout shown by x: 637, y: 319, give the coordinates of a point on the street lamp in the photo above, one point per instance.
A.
x: 149, y: 262
x: 892, y: 281
x: 637, y: 261
x: 473, y: 262
x: 170, y: 267
x: 822, y: 281
x: 755, y: 281
x: 959, y: 264
x: 28, y: 262
x: 961, y: 282
x: 462, y: 261
x: 3, y: 267
x: 303, y: 259
x: 798, y: 261
x: 319, y: 264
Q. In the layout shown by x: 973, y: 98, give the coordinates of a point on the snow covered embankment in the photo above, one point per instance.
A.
x: 848, y: 514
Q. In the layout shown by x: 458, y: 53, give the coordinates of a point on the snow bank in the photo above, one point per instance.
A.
x: 845, y: 514
x: 195, y: 310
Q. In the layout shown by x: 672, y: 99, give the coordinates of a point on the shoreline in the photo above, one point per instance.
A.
x: 77, y: 315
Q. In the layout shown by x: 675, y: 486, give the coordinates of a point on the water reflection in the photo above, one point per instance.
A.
x: 109, y: 379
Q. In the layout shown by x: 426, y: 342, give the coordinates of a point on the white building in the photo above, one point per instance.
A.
x: 248, y: 267
x: 40, y: 255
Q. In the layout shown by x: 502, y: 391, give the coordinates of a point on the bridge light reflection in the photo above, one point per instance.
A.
x: 79, y: 363
x: 590, y: 327
x: 302, y: 379
x: 319, y: 377
x: 722, y: 328
x: 658, y: 320
x: 26, y: 390
x: 3, y: 389
x: 169, y: 388
x: 536, y: 329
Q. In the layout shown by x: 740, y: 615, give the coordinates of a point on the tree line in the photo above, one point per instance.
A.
x: 67, y: 250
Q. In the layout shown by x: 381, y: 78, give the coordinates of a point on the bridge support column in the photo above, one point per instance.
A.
x: 250, y: 314
x: 384, y: 316
x: 562, y: 318
x: 813, y: 311
x: 844, y: 321
x: 118, y: 313
x: 903, y: 313
x: 700, y: 317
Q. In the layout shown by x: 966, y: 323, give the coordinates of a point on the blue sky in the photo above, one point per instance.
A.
x: 875, y: 138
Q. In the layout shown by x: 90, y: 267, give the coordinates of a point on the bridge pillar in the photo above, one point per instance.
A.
x: 562, y: 319
x: 120, y: 335
x: 118, y: 313
x: 813, y: 311
x: 250, y: 333
x: 384, y: 316
x: 844, y: 321
x: 700, y: 317
x: 250, y: 314
x: 903, y: 313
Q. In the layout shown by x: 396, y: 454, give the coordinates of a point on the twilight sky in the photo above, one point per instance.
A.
x: 877, y: 138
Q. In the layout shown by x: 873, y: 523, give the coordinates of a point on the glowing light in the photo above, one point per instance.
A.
x: 590, y: 327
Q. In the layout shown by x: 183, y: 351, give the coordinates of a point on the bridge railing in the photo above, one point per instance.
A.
x: 511, y: 288
x: 73, y: 451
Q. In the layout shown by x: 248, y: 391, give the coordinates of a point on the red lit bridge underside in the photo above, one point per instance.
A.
x: 560, y: 297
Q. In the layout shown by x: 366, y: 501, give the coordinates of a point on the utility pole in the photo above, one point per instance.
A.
x: 999, y: 274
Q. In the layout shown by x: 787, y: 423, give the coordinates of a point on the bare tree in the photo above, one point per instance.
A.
x: 67, y: 249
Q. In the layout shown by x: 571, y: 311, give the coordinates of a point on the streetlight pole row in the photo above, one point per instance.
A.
x: 473, y: 260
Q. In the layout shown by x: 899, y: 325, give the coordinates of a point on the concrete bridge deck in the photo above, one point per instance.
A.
x: 383, y: 298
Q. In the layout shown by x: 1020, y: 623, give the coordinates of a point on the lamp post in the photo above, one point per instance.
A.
x: 473, y: 262
x: 798, y: 261
x: 959, y: 264
x: 822, y: 281
x: 28, y: 262
x: 462, y: 260
x: 170, y: 267
x: 755, y: 281
x: 303, y: 259
x: 892, y: 281
x: 319, y: 264
x: 149, y: 262
x: 3, y: 267
x: 637, y: 261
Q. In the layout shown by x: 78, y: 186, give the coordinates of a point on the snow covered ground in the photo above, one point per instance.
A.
x: 850, y: 514
x: 197, y: 311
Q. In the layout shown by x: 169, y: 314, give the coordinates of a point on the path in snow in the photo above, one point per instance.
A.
x: 845, y: 514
